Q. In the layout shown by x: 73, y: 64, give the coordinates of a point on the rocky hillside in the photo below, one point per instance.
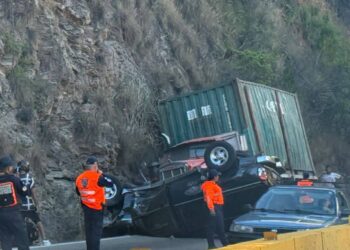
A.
x: 84, y: 76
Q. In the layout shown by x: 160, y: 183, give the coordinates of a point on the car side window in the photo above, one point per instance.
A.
x: 197, y: 152
x: 171, y: 173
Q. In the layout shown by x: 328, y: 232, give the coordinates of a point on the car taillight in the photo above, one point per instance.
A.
x: 262, y: 174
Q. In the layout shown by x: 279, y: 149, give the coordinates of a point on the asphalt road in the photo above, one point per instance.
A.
x: 135, y: 243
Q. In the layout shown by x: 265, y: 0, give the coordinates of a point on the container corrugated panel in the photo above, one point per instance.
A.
x: 209, y: 112
x: 298, y: 147
x: 268, y: 117
x: 275, y: 119
x: 262, y: 117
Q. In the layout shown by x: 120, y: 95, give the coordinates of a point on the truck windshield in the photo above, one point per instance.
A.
x: 296, y: 200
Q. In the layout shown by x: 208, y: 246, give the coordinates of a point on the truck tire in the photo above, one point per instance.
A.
x: 220, y: 155
x: 113, y: 194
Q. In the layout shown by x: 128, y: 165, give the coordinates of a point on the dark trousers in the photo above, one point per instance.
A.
x: 216, y: 224
x: 12, y: 224
x: 93, y: 227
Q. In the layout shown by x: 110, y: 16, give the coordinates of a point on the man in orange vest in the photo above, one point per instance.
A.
x: 305, y: 182
x: 215, y: 201
x: 90, y: 187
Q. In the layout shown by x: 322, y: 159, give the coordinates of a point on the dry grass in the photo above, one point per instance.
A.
x: 191, y: 29
x: 6, y: 147
x: 86, y: 126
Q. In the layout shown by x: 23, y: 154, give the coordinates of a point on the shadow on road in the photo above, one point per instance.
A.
x: 134, y: 243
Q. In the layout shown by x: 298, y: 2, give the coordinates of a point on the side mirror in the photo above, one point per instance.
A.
x: 247, y: 208
x: 345, y: 212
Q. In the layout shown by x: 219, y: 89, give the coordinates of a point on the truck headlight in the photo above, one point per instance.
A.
x: 241, y: 229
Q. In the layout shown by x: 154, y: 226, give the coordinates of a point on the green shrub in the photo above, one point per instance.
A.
x: 253, y: 65
x: 11, y: 45
x: 324, y: 35
x: 21, y: 86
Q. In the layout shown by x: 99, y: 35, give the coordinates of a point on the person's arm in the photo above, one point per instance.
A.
x: 210, y: 204
x: 336, y: 175
x: 104, y: 181
x: 33, y: 194
x: 20, y: 188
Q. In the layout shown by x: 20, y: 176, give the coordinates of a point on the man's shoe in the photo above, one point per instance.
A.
x: 46, y: 243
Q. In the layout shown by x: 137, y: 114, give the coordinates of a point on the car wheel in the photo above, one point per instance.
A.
x: 113, y: 194
x: 220, y: 155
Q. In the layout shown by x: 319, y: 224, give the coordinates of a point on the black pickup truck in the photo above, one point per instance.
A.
x: 172, y: 203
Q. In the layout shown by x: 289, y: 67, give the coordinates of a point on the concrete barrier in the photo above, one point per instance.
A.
x: 332, y: 238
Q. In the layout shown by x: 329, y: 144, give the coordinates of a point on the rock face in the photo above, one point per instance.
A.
x: 81, y: 77
x: 68, y: 89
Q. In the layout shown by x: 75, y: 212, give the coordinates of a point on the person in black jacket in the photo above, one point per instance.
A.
x: 30, y: 201
x: 11, y: 220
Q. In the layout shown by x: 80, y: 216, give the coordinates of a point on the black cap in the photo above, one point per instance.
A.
x: 91, y: 160
x: 6, y: 161
x: 213, y: 173
x: 306, y: 175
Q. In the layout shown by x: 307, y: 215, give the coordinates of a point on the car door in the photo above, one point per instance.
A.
x: 343, y: 205
x: 186, y: 199
x: 152, y: 212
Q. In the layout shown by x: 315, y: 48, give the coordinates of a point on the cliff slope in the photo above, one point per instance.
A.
x: 84, y: 76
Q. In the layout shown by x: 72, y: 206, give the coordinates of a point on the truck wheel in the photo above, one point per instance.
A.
x: 113, y: 194
x: 220, y: 155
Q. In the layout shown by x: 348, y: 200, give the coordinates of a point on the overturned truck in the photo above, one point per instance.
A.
x: 251, y: 133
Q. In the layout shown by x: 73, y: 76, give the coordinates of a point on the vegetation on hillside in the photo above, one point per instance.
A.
x: 299, y: 47
x: 180, y: 45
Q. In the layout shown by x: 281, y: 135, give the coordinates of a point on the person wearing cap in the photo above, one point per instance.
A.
x: 329, y: 177
x: 90, y: 187
x: 11, y: 221
x: 29, y: 201
x: 214, y: 199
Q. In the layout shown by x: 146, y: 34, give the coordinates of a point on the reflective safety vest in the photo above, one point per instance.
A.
x: 305, y: 183
x: 91, y: 194
x: 8, y: 196
x: 212, y: 194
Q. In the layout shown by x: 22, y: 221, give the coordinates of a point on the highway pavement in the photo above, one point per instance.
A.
x: 134, y: 242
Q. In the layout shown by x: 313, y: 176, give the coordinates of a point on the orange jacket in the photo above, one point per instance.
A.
x: 212, y: 194
x: 91, y: 194
x: 305, y: 183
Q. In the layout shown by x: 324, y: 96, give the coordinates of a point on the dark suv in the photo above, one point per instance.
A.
x: 172, y: 204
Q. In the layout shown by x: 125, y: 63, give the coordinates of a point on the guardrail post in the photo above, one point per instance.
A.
x: 270, y: 235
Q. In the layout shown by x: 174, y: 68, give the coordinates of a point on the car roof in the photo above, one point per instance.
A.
x: 303, y: 187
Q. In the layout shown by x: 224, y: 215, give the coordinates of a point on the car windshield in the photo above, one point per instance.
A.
x: 297, y: 200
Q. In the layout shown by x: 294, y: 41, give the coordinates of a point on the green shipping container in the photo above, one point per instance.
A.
x: 269, y: 118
